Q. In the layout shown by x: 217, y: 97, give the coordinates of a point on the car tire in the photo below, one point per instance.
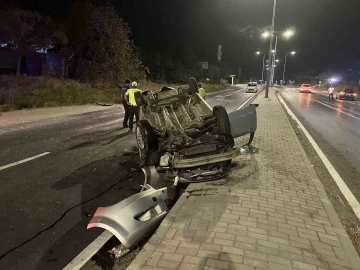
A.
x: 145, y: 137
x: 193, y: 86
x: 139, y: 99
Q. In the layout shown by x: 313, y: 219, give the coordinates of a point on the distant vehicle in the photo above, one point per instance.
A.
x: 346, y: 94
x: 252, y: 87
x: 305, y: 88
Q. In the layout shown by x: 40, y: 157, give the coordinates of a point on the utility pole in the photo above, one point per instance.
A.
x: 284, y: 68
x: 273, y: 63
x: 270, y: 50
x: 262, y: 73
x: 292, y: 53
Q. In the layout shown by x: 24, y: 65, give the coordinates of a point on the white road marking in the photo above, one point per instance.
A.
x: 232, y: 93
x: 23, y: 161
x: 336, y: 109
x: 85, y: 255
x: 349, y: 196
x: 247, y: 101
x: 332, y: 104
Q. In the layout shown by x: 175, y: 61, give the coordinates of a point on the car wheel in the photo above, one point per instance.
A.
x: 145, y: 137
x: 222, y: 123
x: 193, y: 85
x: 139, y: 99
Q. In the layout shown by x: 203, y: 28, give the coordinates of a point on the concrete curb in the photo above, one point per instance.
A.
x: 344, y: 239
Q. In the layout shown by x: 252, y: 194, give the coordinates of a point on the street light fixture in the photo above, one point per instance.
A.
x: 288, y: 33
x: 292, y: 53
x: 265, y: 34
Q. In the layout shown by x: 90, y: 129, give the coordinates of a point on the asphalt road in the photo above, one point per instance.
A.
x: 46, y: 203
x: 335, y: 126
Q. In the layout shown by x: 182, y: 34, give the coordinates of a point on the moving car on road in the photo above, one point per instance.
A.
x: 305, y: 88
x: 346, y: 94
x: 252, y: 87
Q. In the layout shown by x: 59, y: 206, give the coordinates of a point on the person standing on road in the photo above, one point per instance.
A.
x: 331, y: 92
x: 123, y: 91
x: 201, y: 91
x: 133, y: 109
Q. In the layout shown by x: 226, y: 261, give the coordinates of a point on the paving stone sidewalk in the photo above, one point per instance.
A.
x: 270, y: 213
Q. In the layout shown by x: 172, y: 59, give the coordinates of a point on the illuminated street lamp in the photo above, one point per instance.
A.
x: 265, y: 34
x: 292, y: 53
x: 277, y: 60
x: 287, y: 35
x: 262, y: 71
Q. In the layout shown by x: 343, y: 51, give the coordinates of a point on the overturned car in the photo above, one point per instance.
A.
x: 180, y: 139
x: 182, y: 136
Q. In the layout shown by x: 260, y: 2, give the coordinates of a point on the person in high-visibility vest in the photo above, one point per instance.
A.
x: 123, y: 90
x: 133, y: 109
x: 201, y: 91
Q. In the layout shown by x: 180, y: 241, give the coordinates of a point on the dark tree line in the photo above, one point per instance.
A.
x: 97, y: 42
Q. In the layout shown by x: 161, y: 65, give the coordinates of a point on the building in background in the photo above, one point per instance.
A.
x: 34, y: 64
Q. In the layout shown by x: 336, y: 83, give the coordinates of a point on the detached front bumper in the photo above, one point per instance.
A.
x: 133, y: 218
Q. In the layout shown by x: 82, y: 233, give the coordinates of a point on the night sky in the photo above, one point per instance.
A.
x: 327, y: 31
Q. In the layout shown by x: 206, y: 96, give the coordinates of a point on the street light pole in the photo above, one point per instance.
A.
x: 292, y: 53
x: 262, y: 73
x: 273, y: 64
x: 284, y: 68
x: 270, y: 49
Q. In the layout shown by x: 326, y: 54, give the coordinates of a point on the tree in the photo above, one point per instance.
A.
x: 100, y: 45
x: 213, y: 73
x: 24, y: 31
x: 225, y: 69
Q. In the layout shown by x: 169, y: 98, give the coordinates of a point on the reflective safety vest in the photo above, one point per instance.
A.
x: 202, y: 92
x: 130, y: 93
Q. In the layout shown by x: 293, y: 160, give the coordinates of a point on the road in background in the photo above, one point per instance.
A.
x: 335, y: 126
x: 46, y: 202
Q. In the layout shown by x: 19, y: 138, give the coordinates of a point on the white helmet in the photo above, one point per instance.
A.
x: 134, y: 84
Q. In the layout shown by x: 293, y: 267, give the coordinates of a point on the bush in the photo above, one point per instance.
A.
x: 210, y: 88
x: 18, y: 92
x: 34, y: 92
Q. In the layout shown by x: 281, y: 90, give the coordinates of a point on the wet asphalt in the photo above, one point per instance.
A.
x: 335, y: 127
x: 46, y: 203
